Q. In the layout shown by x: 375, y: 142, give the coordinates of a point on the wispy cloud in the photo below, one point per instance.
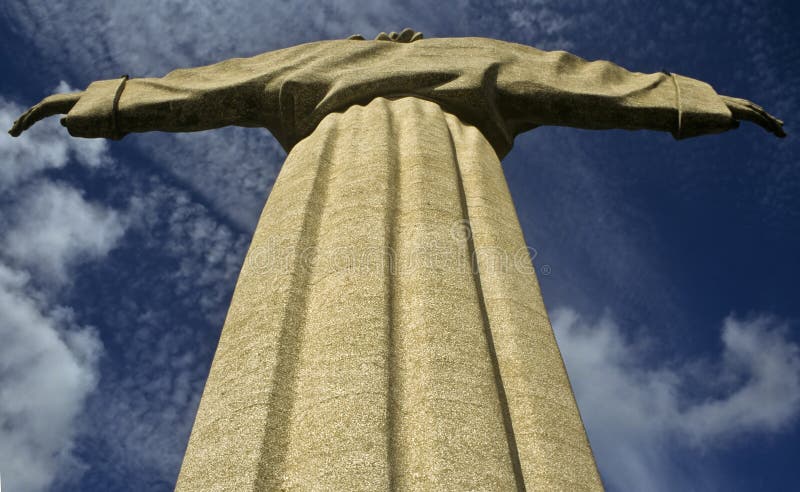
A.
x: 232, y: 169
x: 161, y: 334
x: 51, y: 228
x: 207, y: 252
x: 48, y: 357
x: 48, y: 367
x: 640, y: 416
x: 48, y: 227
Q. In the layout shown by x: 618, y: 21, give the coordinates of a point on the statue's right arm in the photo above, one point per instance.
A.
x: 238, y: 91
x: 226, y: 93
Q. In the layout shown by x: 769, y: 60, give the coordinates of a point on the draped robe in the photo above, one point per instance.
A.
x: 387, y: 329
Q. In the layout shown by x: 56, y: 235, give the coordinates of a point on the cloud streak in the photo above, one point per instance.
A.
x: 48, y: 358
x: 639, y: 416
x: 172, y: 281
x: 52, y: 228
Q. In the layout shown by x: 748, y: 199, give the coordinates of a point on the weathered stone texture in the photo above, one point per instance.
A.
x: 387, y: 329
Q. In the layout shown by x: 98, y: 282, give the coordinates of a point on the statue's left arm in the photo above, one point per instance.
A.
x: 557, y: 88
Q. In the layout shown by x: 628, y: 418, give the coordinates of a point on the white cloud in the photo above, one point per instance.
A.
x: 47, y: 370
x: 638, y: 415
x: 540, y: 22
x: 758, y: 351
x: 48, y: 359
x: 51, y: 228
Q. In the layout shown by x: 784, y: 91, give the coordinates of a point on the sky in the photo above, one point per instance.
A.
x: 669, y: 268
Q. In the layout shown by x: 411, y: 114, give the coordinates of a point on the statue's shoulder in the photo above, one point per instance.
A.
x: 382, y: 41
x: 444, y: 53
x: 479, y: 48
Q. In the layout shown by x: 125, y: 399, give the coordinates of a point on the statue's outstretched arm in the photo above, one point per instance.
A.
x: 558, y: 88
x: 237, y: 91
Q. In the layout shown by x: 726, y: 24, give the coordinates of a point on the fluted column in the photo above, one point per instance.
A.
x: 387, y: 330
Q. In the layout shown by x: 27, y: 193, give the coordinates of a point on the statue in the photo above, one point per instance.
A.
x: 387, y: 330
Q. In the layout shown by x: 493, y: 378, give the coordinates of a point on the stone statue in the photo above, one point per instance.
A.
x: 387, y: 330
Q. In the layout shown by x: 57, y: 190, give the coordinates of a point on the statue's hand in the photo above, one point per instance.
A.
x: 50, y: 105
x: 742, y: 109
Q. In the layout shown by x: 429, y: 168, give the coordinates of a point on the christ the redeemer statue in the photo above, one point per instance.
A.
x: 387, y: 330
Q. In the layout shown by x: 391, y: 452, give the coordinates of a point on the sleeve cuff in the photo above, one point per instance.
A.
x: 92, y: 116
x: 700, y: 110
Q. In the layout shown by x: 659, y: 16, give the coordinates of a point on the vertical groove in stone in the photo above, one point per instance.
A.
x: 226, y: 447
x: 393, y: 189
x: 449, y: 429
x: 338, y: 430
x: 476, y: 275
x: 551, y: 441
x: 281, y: 398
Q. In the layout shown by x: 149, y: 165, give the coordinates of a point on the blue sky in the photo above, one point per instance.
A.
x: 669, y: 268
